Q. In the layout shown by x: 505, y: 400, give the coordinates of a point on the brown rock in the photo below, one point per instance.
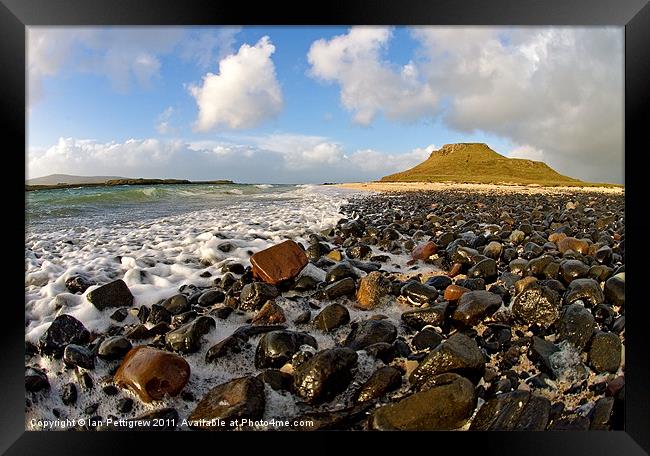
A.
x: 476, y: 305
x: 335, y: 255
x: 152, y: 373
x: 455, y: 269
x: 424, y: 251
x: 372, y: 289
x: 556, y: 237
x: 269, y: 314
x: 279, y: 263
x: 454, y: 292
x: 521, y: 285
x: 571, y: 243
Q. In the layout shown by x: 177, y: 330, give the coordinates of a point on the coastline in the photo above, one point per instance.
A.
x: 117, y: 182
x: 387, y: 187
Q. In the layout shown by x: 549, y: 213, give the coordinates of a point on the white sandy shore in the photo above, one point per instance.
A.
x: 438, y: 186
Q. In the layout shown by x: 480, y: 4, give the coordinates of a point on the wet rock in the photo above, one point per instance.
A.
x: 254, y: 295
x: 344, y: 287
x: 176, y: 304
x: 573, y: 269
x: 36, y: 379
x: 276, y: 379
x: 138, y: 332
x: 373, y: 288
x: 540, y: 353
x: 586, y: 290
x: 571, y: 243
x: 485, y: 269
x: 576, y: 325
x: 537, y: 305
x: 305, y: 283
x: 69, y: 394
x: 113, y: 294
x: 159, y: 314
x: 418, y: 293
x: 332, y: 317
x: 439, y: 282
x: 276, y: 348
x: 302, y: 318
x: 235, y: 268
x: 358, y: 251
x: 474, y: 306
x: 152, y: 373
x: 418, y: 318
x: 445, y: 406
x: 518, y: 266
x: 454, y: 292
x: 516, y: 236
x: 120, y: 314
x: 241, y: 398
x: 458, y: 354
x: 601, y: 414
x: 368, y: 332
x: 279, y: 263
x: 615, y: 290
x: 382, y: 381
x: 518, y: 410
x: 605, y: 352
x: 187, y: 338
x: 77, y: 355
x: 64, y: 330
x: 424, y: 251
x: 382, y: 351
x: 211, y: 297
x: 341, y: 419
x: 326, y: 374
x: 521, y: 285
x: 340, y: 271
x: 426, y: 339
x: 78, y: 284
x: 231, y: 345
x: 221, y: 312
x: 269, y: 314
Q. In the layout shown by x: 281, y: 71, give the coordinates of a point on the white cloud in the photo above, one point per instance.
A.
x: 274, y: 158
x: 243, y: 94
x: 527, y: 152
x: 127, y: 56
x: 163, y: 125
x: 368, y: 84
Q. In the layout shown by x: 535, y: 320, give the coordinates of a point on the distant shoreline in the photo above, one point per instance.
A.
x: 386, y: 187
x: 116, y: 182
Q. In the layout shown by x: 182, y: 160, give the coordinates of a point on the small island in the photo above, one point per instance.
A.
x: 121, y: 181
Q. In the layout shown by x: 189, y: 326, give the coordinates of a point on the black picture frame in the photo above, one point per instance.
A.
x: 633, y: 15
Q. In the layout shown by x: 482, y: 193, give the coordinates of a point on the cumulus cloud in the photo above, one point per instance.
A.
x: 163, y: 125
x: 370, y: 85
x: 243, y: 94
x: 274, y: 158
x: 127, y: 56
x: 554, y: 93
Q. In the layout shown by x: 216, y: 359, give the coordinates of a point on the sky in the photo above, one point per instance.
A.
x: 319, y: 104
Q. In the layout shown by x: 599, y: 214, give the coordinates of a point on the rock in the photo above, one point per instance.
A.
x: 516, y: 237
x: 176, y: 304
x: 279, y: 263
x: 383, y: 351
x: 418, y: 293
x: 454, y: 292
x: 341, y: 419
x: 276, y: 379
x: 326, y: 374
x: 540, y: 353
x: 605, y: 352
x: 114, y: 348
x: 615, y: 290
x: 64, y: 330
x: 187, y: 338
x: 231, y: 345
x: 241, y: 398
x: 344, y: 287
x: 152, y: 373
x: 235, y: 268
x: 573, y: 269
x: 445, y: 406
x: 601, y: 414
x: 335, y: 255
x: 340, y: 271
x: 138, y: 332
x: 571, y: 243
x: 424, y: 251
x: 458, y: 354
x: 521, y: 285
x: 332, y: 317
x: 537, y: 305
x: 485, y: 269
x: 269, y: 314
x: 221, y: 312
x: 493, y: 250
x: 518, y: 410
x: 76, y: 355
x: 303, y: 318
x: 69, y: 394
x: 211, y: 297
x: 372, y: 290
x: 439, y: 282
x: 576, y: 325
x: 159, y: 314
x: 78, y: 284
x: 426, y: 339
x: 368, y: 332
x: 518, y: 266
x: 254, y: 295
x: 586, y: 290
x: 358, y: 251
x: 113, y: 294
x: 36, y: 379
x: 382, y: 381
x: 474, y: 306
x: 418, y: 318
x: 276, y: 348
x: 120, y: 314
x: 305, y: 283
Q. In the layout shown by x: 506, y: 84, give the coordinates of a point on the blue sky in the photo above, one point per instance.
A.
x: 313, y: 104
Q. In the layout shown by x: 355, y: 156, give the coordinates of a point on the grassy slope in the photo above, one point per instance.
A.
x: 477, y: 163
